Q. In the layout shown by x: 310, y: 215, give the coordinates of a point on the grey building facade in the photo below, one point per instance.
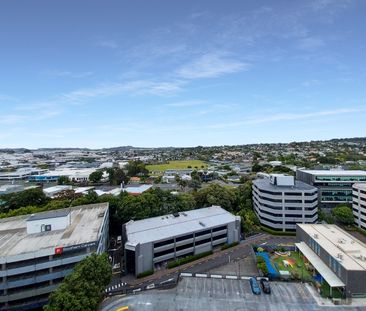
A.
x: 334, y: 186
x: 359, y: 205
x: 38, y: 251
x: 280, y: 202
x: 152, y: 242
x: 336, y: 255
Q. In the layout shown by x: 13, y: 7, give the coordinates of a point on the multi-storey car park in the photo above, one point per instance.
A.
x: 334, y: 186
x: 280, y: 202
x: 154, y: 241
x: 37, y: 251
x: 359, y: 205
x: 338, y: 257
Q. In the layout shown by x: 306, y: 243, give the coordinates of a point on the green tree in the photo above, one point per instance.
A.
x: 117, y: 176
x: 257, y: 168
x: 136, y: 168
x: 343, y: 214
x: 63, y: 180
x: 34, y: 197
x: 82, y: 290
x: 96, y: 176
x: 215, y: 194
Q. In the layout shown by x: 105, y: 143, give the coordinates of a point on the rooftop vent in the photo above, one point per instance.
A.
x: 341, y: 241
x: 316, y: 236
x: 202, y: 224
x: 340, y: 256
x: 176, y: 214
x: 185, y: 214
x: 100, y: 215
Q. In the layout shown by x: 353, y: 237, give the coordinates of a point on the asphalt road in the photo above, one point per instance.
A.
x: 221, y: 294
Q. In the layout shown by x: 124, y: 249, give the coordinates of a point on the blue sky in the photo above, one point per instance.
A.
x: 180, y: 73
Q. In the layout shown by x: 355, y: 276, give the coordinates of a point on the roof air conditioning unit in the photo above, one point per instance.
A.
x: 340, y: 256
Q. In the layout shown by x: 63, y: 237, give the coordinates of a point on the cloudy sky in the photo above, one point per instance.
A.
x: 180, y: 73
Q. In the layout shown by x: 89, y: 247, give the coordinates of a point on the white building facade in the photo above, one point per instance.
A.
x: 359, y: 205
x: 280, y: 202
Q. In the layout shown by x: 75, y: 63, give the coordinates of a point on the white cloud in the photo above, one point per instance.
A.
x: 108, y: 44
x: 187, y: 103
x: 69, y: 74
x: 211, y: 66
x: 311, y: 43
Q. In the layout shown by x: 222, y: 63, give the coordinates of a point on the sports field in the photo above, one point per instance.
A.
x: 177, y: 165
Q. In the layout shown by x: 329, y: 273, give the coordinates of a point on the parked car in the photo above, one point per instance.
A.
x: 255, y: 286
x: 265, y: 286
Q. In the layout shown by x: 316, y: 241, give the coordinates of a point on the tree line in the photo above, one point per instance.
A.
x: 126, y: 207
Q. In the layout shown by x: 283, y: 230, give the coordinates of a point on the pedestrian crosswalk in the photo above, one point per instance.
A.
x: 115, y: 287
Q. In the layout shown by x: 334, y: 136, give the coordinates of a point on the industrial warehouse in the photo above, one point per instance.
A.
x: 37, y: 251
x: 154, y: 241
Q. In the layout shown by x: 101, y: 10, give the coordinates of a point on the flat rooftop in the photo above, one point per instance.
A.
x: 86, y: 222
x: 264, y: 183
x: 336, y: 241
x: 336, y: 172
x: 164, y: 227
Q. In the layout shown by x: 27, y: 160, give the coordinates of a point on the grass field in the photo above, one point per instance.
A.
x: 296, y: 268
x: 174, y: 165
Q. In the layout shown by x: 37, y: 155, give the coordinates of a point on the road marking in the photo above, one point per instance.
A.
x: 201, y: 275
x: 231, y: 277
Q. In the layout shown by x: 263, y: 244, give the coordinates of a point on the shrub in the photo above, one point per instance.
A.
x: 146, y: 273
x: 182, y: 261
x: 274, y: 232
x: 226, y: 246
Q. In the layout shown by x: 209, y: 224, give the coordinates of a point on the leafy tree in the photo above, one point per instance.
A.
x: 136, y: 168
x: 215, y: 194
x: 63, y: 180
x: 343, y: 214
x: 117, y: 176
x: 96, y: 176
x: 257, y: 168
x: 82, y: 290
x: 34, y: 197
x: 249, y: 221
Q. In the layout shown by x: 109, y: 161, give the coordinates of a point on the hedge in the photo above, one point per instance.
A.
x: 274, y: 232
x: 226, y: 246
x: 146, y: 273
x: 182, y: 261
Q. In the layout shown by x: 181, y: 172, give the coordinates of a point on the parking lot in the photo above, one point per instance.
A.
x: 203, y: 294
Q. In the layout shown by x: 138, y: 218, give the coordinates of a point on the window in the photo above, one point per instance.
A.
x: 203, y: 241
x: 203, y: 232
x: 292, y: 201
x: 184, y: 237
x: 162, y: 243
x: 179, y: 248
x: 218, y: 228
x: 219, y: 237
x: 162, y: 253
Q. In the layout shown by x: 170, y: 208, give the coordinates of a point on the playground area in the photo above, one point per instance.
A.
x: 292, y: 262
x: 283, y: 263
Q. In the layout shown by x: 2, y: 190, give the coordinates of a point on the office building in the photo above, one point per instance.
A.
x: 154, y: 241
x: 334, y: 186
x: 336, y: 256
x: 359, y: 205
x: 280, y: 202
x: 37, y: 251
